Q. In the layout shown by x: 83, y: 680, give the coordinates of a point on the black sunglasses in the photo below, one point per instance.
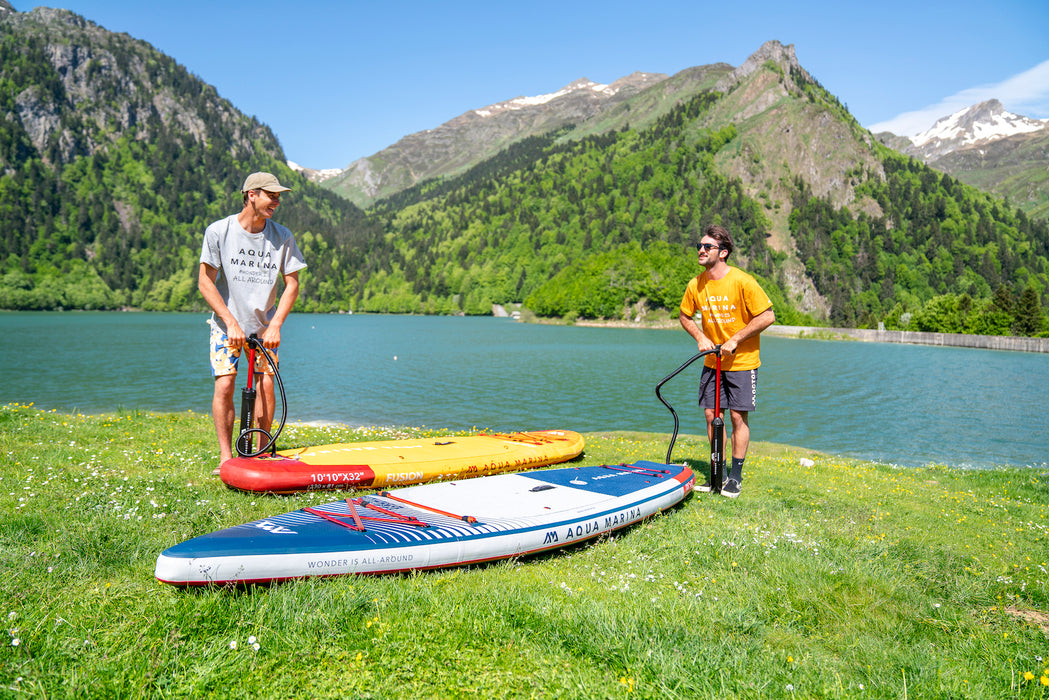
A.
x: 707, y: 246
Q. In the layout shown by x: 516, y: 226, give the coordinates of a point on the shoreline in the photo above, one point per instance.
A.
x: 960, y: 340
x: 1009, y: 343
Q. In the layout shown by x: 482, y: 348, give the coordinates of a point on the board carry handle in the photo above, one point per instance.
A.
x: 642, y: 471
x: 358, y: 525
x: 659, y: 395
x: 394, y: 517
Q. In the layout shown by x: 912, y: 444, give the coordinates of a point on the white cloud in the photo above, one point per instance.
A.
x: 1026, y: 94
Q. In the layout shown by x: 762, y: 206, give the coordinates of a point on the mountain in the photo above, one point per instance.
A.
x: 479, y: 134
x: 837, y: 226
x: 89, y: 87
x: 988, y: 147
x: 786, y: 126
x: 113, y: 159
x: 979, y: 125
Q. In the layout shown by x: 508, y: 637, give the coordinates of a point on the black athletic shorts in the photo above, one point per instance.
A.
x: 739, y: 390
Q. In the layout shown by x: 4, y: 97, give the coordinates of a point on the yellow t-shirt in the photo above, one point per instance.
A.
x: 727, y: 305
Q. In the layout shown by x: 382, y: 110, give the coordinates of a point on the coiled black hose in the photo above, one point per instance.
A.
x: 270, y: 446
x: 679, y: 370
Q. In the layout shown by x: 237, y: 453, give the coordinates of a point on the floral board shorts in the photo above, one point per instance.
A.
x: 224, y: 359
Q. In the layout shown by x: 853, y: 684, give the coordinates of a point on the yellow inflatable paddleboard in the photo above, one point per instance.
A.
x: 359, y: 465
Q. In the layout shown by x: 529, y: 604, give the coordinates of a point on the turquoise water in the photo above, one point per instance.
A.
x: 902, y: 404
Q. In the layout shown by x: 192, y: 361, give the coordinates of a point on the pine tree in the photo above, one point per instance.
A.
x: 1030, y: 319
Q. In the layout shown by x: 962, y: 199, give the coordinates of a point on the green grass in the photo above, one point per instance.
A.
x: 843, y: 579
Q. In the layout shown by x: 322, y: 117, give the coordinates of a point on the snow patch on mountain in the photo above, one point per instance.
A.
x: 314, y: 175
x: 986, y: 121
x: 599, y: 89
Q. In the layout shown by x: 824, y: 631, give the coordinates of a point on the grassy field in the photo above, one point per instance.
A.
x: 840, y: 579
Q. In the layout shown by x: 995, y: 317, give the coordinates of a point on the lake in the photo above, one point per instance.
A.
x: 903, y: 404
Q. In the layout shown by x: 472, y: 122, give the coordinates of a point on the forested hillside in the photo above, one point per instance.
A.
x: 605, y: 227
x: 939, y: 244
x: 113, y: 159
x: 618, y: 214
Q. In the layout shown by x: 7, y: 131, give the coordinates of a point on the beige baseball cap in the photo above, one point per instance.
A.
x: 263, y: 181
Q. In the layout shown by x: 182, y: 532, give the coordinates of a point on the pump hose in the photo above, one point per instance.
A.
x: 270, y: 446
x: 679, y: 370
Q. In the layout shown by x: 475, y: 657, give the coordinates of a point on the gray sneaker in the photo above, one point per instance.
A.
x: 705, y: 487
x: 731, y: 488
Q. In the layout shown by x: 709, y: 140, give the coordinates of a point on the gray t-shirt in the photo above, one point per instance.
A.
x: 250, y: 265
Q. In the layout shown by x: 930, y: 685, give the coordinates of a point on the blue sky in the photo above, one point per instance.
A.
x: 337, y: 81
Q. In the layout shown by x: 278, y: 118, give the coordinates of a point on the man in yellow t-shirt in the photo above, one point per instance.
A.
x: 734, y: 311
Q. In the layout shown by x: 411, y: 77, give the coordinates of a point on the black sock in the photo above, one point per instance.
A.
x: 737, y: 470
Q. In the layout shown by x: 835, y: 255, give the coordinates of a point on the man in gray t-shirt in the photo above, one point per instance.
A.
x: 243, y: 259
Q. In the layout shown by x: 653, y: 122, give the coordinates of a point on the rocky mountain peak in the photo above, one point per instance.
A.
x: 638, y: 80
x: 100, y: 87
x: 773, y: 51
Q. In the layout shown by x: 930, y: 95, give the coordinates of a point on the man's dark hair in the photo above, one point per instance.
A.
x: 722, y: 236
